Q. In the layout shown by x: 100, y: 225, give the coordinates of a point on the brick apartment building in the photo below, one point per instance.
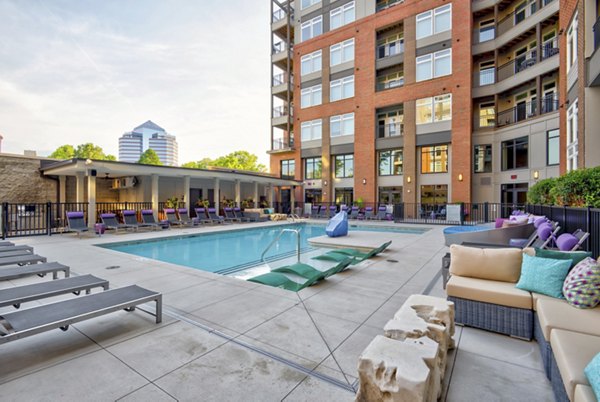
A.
x: 431, y: 101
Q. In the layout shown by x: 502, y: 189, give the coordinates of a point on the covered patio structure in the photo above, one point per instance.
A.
x: 102, y: 183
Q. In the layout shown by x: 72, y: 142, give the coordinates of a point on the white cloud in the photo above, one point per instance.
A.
x: 87, y: 71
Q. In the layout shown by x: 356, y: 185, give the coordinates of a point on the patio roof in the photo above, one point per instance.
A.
x: 122, y: 169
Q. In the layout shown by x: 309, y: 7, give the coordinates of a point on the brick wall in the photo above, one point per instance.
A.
x: 21, y: 181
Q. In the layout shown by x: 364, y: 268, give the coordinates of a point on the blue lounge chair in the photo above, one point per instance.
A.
x: 184, y: 217
x: 369, y: 213
x: 230, y: 216
x: 238, y: 213
x: 354, y: 213
x: 381, y: 213
x: 110, y: 222
x: 76, y: 222
x: 172, y: 217
x: 149, y: 221
x: 323, y: 212
x: 201, y: 216
x: 214, y: 217
x: 130, y: 218
x: 314, y: 211
x: 332, y: 211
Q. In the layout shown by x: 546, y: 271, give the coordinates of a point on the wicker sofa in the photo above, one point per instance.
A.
x: 482, y: 286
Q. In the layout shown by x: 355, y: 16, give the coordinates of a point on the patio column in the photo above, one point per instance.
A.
x: 62, y: 189
x: 79, y: 187
x: 216, y: 193
x: 255, y: 194
x: 292, y: 199
x: 186, y: 191
x: 237, y: 193
x: 271, y: 194
x: 155, y: 195
x: 91, y: 190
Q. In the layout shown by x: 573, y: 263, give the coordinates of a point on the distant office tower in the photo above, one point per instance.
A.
x: 148, y: 135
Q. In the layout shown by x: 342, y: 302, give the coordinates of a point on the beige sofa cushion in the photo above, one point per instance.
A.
x: 558, y: 314
x: 584, y: 393
x: 496, y: 264
x: 573, y: 352
x: 536, y: 296
x: 482, y: 290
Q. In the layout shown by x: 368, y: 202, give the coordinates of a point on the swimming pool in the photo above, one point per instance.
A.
x: 230, y: 251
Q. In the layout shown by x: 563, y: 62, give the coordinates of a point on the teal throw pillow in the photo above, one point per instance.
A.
x: 592, y: 372
x: 543, y: 275
x: 575, y: 256
x: 582, y: 285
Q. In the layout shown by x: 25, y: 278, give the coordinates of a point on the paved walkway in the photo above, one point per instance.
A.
x: 226, y: 339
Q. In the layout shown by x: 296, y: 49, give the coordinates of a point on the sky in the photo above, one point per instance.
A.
x: 77, y: 71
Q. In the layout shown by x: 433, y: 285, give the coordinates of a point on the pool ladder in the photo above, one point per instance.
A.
x: 276, y: 239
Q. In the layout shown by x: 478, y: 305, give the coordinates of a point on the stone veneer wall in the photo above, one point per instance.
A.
x: 21, y: 180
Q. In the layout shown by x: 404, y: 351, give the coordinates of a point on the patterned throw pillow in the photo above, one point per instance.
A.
x: 582, y: 285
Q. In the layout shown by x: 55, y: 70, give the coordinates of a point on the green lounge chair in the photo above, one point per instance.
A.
x: 309, y: 272
x: 279, y: 280
x: 357, y: 256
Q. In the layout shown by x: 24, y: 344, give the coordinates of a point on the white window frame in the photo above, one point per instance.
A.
x: 313, y: 92
x: 346, y: 14
x: 572, y: 42
x: 346, y: 89
x: 309, y: 3
x: 429, y: 17
x: 311, y: 130
x: 432, y: 58
x: 431, y: 103
x: 572, y: 136
x: 341, y: 47
x: 315, y: 60
x: 345, y: 122
x: 311, y: 25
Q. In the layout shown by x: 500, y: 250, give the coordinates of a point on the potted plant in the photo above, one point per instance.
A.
x: 172, y: 202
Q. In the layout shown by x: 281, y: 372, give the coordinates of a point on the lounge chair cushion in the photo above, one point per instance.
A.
x: 592, y: 372
x: 558, y: 314
x: 494, y: 292
x: 543, y: 275
x: 584, y: 393
x: 581, y: 288
x: 566, y: 242
x: 538, y: 296
x: 574, y: 256
x: 501, y: 264
x: 573, y: 352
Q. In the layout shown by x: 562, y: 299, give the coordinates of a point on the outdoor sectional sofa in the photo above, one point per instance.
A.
x: 482, y: 286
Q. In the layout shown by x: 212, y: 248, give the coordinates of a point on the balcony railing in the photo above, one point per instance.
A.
x: 518, y: 16
x: 282, y: 143
x: 527, y: 60
x: 381, y: 86
x: 596, y: 29
x: 526, y: 111
x: 390, y: 130
x: 390, y: 49
x: 280, y: 14
x: 280, y: 47
x: 279, y: 79
x: 280, y: 111
x: 385, y: 4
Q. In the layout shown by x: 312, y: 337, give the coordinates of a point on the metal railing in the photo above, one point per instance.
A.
x: 527, y: 111
x: 280, y: 47
x: 397, y: 83
x: 34, y: 219
x: 390, y: 49
x: 385, y: 4
x: 280, y: 14
x: 516, y: 17
x: 280, y: 111
x: 279, y: 79
x: 282, y: 143
x: 390, y: 130
x: 276, y: 240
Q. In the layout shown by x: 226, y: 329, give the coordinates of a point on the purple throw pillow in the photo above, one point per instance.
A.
x: 538, y: 222
x: 566, y: 242
x: 499, y: 222
x: 544, y: 232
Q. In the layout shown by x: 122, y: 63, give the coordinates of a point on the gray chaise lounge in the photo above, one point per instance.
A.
x: 4, y: 249
x: 22, y: 259
x: 36, y: 269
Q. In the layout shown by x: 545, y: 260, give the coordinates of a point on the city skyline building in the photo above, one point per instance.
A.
x: 149, y: 136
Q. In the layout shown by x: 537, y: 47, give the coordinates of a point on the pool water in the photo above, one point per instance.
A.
x: 231, y: 251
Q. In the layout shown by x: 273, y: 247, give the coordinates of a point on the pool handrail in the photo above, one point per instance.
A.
x: 276, y: 239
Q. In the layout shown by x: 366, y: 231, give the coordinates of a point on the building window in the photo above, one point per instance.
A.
x: 391, y: 80
x: 390, y: 46
x: 341, y: 125
x: 341, y: 16
x: 433, y: 110
x: 434, y: 65
x: 344, y: 195
x: 390, y: 162
x: 344, y: 166
x: 572, y: 43
x: 308, y: 3
x: 482, y: 159
x: 288, y: 168
x: 313, y: 196
x: 434, y: 194
x: 487, y: 114
x: 390, y: 123
x: 311, y: 63
x: 434, y: 159
x: 341, y: 52
x: 572, y: 139
x: 434, y: 21
x: 312, y: 28
x: 487, y: 30
x: 311, y: 96
x: 553, y: 147
x: 311, y: 130
x: 390, y: 195
x: 312, y: 168
x: 487, y: 72
x: 341, y: 89
x: 515, y: 154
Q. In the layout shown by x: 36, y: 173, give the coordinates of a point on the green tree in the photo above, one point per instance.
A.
x: 63, y: 152
x: 201, y: 164
x: 110, y: 157
x: 240, y: 160
x: 89, y: 151
x: 149, y: 157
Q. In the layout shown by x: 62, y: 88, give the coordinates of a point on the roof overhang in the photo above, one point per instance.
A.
x: 73, y: 167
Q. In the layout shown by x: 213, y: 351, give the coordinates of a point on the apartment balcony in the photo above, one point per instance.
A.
x: 282, y: 117
x: 593, y: 67
x: 280, y: 23
x: 517, y: 71
x: 280, y: 87
x: 390, y: 54
x: 280, y: 145
x: 390, y: 84
x: 385, y: 4
x: 282, y: 54
x: 516, y: 25
x: 527, y: 111
x: 390, y: 130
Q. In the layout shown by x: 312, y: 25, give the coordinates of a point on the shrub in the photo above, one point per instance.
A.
x: 540, y: 192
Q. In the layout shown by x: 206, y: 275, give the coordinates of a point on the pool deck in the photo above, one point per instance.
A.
x: 226, y: 339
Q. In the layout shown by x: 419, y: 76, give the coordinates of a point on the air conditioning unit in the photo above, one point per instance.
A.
x: 124, y: 182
